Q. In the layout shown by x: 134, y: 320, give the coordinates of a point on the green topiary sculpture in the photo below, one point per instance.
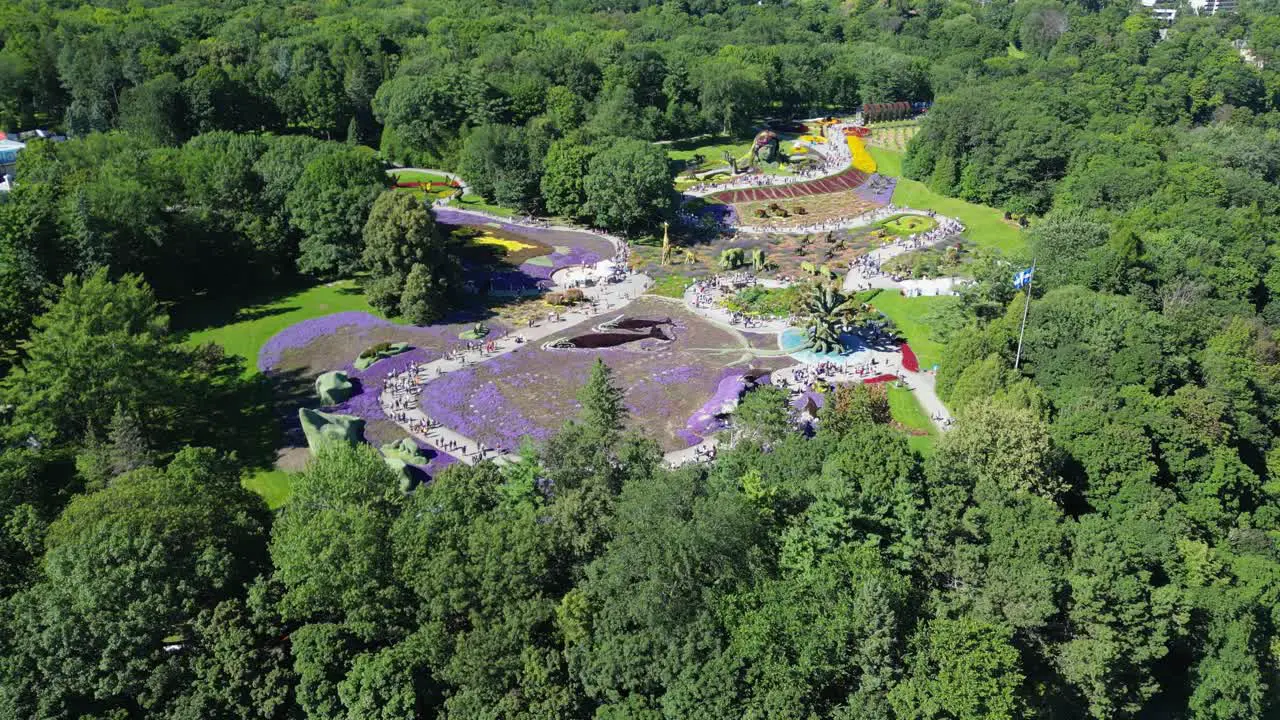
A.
x: 322, y: 427
x: 334, y: 387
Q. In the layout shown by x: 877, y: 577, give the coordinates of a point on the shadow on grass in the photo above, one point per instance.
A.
x: 210, y: 311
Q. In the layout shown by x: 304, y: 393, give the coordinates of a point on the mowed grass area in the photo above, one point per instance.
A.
x: 906, y: 411
x: 471, y: 201
x: 987, y: 226
x: 912, y: 316
x: 273, y: 485
x: 250, y: 329
x: 252, y: 326
x: 418, y: 176
x: 711, y: 148
x: 672, y: 286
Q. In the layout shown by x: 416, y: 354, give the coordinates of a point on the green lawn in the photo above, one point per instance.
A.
x: 711, y: 148
x: 906, y: 410
x: 911, y: 315
x: 252, y: 326
x: 471, y: 201
x: 423, y: 177
x: 273, y: 485
x: 250, y: 329
x: 987, y: 226
x: 903, y: 225
x: 672, y: 286
x: 418, y: 176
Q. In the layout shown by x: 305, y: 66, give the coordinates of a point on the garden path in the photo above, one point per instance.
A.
x: 859, y: 278
x: 676, y: 458
x: 922, y: 384
x: 719, y: 315
x: 839, y: 152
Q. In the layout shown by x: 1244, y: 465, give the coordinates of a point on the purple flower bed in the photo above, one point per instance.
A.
x: 533, y: 392
x: 438, y: 462
x: 704, y: 422
x: 470, y: 402
x: 881, y: 196
x: 819, y: 399
x: 584, y: 248
x: 308, y: 331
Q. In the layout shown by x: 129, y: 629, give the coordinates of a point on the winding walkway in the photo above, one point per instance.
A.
x: 859, y: 279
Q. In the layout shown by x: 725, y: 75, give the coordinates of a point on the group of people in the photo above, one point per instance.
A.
x: 402, y: 386
x: 946, y: 228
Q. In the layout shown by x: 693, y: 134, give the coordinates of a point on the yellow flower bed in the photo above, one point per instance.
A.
x: 504, y: 243
x: 862, y: 159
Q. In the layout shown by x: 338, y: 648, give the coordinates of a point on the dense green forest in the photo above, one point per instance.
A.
x: 1096, y: 537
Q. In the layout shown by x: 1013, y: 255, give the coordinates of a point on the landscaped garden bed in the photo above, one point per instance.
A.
x: 533, y: 391
x: 760, y: 301
x: 903, y: 225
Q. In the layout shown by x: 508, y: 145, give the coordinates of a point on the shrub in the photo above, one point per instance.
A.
x: 799, y: 210
x: 373, y: 350
x: 574, y: 295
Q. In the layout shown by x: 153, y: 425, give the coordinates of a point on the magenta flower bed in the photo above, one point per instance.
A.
x: 308, y: 331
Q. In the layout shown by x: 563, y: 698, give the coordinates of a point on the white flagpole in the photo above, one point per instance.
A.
x: 1017, y: 359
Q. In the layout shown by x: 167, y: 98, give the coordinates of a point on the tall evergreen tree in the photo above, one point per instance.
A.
x: 604, y: 411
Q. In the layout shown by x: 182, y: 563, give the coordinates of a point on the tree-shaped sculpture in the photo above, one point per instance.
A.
x: 829, y: 310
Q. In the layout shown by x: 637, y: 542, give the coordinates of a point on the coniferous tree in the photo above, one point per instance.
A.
x: 129, y: 448
x: 604, y: 412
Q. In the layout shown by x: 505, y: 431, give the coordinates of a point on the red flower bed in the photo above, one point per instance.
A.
x: 879, y: 379
x: 909, y: 361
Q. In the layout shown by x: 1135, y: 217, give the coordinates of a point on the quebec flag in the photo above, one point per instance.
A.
x: 1022, y: 278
